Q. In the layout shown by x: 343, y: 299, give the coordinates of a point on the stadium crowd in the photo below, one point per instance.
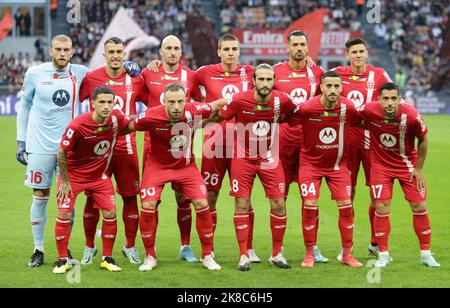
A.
x: 414, y: 35
x: 279, y: 14
x: 412, y: 30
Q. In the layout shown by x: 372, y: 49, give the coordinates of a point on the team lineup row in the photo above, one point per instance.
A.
x: 321, y: 130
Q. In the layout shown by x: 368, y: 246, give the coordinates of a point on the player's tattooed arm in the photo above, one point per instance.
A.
x: 218, y: 104
x: 65, y: 190
x: 418, y: 171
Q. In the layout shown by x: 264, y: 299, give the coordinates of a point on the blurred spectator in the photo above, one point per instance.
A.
x: 415, y: 37
x: 400, y: 79
x: 23, y: 22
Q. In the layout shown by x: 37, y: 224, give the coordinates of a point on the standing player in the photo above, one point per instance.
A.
x: 84, y: 157
x: 48, y: 103
x: 216, y: 81
x: 325, y: 120
x: 166, y: 72
x: 171, y: 159
x: 257, y: 113
x: 124, y: 164
x: 394, y: 128
x: 361, y: 83
x: 301, y: 82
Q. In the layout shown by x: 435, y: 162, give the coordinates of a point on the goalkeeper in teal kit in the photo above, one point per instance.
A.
x: 48, y: 103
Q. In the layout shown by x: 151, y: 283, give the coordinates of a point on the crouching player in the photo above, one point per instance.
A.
x: 171, y: 129
x: 83, y: 158
x: 394, y: 127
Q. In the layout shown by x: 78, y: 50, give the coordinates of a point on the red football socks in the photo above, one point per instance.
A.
x: 241, y: 222
x: 184, y: 218
x: 204, y: 229
x: 309, y: 224
x: 91, y: 217
x: 278, y: 227
x: 130, y: 216
x: 346, y: 225
x: 62, y: 235
x: 422, y: 227
x: 109, y: 232
x: 382, y: 226
x: 251, y: 223
x: 148, y: 223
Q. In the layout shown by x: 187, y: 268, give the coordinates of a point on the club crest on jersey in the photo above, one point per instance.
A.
x: 299, y: 96
x: 178, y: 142
x: 61, y: 98
x: 388, y: 140
x: 261, y: 128
x: 327, y: 135
x: 357, y: 98
x: 102, y: 147
x: 229, y: 90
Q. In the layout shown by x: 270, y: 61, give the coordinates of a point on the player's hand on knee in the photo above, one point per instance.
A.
x: 64, y: 192
x: 132, y: 68
x: 21, y: 154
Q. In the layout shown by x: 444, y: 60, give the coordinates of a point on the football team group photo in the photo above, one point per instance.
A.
x: 192, y: 143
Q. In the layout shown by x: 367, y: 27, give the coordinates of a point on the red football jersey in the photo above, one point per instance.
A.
x: 214, y: 83
x: 172, y: 141
x: 301, y: 85
x: 128, y: 90
x: 90, y: 145
x: 362, y: 89
x: 325, y: 132
x: 394, y: 139
x: 156, y: 82
x: 257, y: 124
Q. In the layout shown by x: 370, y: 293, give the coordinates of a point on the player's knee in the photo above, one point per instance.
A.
x: 109, y: 214
x: 242, y: 205
x: 417, y: 207
x: 382, y: 208
x: 199, y: 203
x: 278, y: 206
x: 65, y: 215
x: 149, y: 205
x: 41, y: 193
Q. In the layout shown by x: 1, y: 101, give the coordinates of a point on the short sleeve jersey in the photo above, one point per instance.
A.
x: 90, y: 145
x: 128, y: 90
x: 257, y: 124
x: 172, y: 141
x: 325, y: 132
x: 394, y: 139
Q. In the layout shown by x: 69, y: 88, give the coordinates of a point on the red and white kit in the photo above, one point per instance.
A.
x: 361, y: 89
x: 256, y: 148
x: 394, y: 152
x: 214, y: 84
x: 301, y: 85
x: 128, y: 90
x: 89, y: 149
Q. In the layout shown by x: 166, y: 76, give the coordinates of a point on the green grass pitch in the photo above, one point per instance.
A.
x: 16, y: 240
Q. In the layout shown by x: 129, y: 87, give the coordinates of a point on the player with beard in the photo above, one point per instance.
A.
x: 361, y: 83
x: 302, y: 82
x: 157, y: 77
x: 326, y: 120
x: 257, y: 114
x: 394, y: 128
